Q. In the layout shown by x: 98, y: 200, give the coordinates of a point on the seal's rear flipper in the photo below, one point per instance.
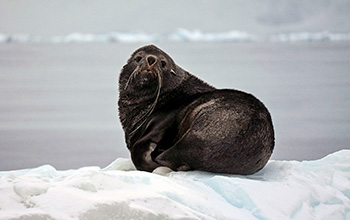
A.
x: 184, y: 168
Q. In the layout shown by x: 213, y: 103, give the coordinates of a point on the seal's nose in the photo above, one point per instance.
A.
x: 151, y: 60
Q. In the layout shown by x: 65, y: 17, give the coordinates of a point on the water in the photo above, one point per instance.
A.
x: 58, y: 101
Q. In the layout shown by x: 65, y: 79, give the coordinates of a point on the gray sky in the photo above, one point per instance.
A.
x: 43, y: 17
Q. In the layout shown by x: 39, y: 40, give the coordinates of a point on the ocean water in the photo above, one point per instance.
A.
x: 58, y: 101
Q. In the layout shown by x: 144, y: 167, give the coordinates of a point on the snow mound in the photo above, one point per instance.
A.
x: 282, y: 190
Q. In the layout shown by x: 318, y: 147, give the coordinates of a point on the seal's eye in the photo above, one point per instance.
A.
x: 138, y: 59
x: 163, y: 63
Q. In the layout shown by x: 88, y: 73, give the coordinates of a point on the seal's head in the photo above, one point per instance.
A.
x: 148, y: 74
x: 148, y: 68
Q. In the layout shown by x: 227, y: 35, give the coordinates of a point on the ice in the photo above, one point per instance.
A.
x: 126, y: 37
x: 308, y: 36
x: 180, y: 35
x: 317, y: 189
x: 199, y: 36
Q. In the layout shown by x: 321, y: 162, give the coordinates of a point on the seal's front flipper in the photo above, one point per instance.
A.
x: 141, y: 156
x: 156, y: 152
x: 178, y: 157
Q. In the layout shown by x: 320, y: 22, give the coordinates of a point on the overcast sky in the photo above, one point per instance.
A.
x: 43, y: 17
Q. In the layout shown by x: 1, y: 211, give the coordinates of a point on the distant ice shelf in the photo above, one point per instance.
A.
x: 180, y: 35
x: 317, y: 189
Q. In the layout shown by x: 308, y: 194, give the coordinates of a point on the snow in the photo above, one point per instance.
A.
x: 317, y: 189
x: 180, y: 35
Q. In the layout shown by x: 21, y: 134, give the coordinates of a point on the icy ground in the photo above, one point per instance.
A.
x: 282, y: 190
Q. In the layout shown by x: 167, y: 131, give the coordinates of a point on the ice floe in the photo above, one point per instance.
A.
x: 317, y: 189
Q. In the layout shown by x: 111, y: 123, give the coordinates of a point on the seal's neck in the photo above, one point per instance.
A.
x: 132, y: 107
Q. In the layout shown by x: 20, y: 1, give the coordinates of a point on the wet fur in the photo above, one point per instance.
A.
x: 171, y: 118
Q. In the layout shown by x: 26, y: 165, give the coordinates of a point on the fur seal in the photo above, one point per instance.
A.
x: 171, y: 118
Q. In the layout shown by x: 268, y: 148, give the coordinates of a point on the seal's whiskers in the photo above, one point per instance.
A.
x: 149, y: 112
x: 136, y: 70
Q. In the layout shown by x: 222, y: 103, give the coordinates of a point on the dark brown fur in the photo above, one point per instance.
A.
x: 171, y: 118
